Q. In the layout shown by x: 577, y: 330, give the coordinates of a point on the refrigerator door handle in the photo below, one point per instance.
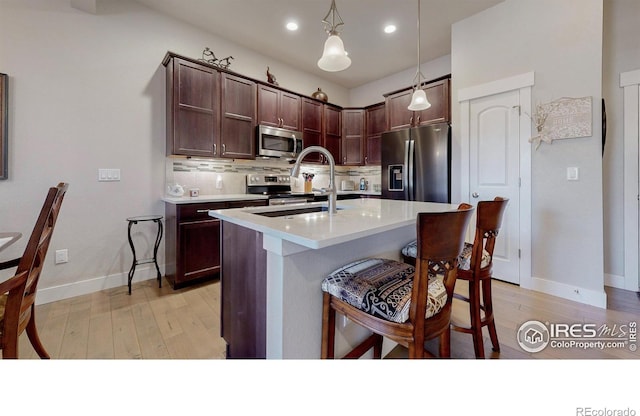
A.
x: 410, y: 169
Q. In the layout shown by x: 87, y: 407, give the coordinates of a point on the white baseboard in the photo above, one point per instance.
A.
x: 613, y: 280
x: 575, y: 293
x: 70, y: 290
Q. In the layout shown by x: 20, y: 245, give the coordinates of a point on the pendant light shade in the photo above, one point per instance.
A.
x: 334, y: 57
x: 419, y: 100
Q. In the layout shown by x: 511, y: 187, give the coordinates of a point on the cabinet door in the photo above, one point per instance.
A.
x: 333, y: 131
x: 438, y: 95
x: 375, y: 126
x: 398, y: 115
x: 193, y: 108
x: 268, y: 103
x: 312, y: 127
x: 238, y: 118
x: 290, y: 111
x: 353, y: 136
x: 199, y: 246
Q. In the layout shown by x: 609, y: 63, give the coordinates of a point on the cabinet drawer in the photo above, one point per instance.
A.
x: 198, y: 211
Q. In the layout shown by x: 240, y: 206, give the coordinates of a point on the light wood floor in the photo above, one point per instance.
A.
x: 162, y: 323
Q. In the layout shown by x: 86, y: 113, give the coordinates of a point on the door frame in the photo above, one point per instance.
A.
x: 630, y: 82
x: 523, y: 83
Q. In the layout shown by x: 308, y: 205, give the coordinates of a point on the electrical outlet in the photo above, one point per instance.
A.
x: 62, y: 256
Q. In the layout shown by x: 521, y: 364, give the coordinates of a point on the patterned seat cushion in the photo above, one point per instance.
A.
x: 464, y: 260
x: 382, y: 288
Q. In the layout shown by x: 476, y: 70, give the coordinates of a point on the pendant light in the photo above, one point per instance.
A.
x: 419, y: 100
x: 334, y: 58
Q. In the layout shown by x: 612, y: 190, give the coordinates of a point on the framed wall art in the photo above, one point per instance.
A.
x: 4, y: 128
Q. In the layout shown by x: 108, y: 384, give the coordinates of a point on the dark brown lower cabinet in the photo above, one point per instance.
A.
x: 244, y: 292
x: 192, y: 242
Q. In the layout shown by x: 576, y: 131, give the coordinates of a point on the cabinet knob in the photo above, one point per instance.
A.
x: 475, y: 194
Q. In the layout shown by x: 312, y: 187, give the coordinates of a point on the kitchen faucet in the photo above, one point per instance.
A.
x: 295, y: 171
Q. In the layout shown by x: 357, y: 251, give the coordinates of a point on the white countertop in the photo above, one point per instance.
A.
x: 358, y: 218
x: 211, y: 198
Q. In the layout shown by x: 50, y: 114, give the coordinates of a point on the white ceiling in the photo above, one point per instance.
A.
x: 260, y: 25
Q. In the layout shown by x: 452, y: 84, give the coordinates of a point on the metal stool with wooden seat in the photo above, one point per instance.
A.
x: 395, y: 300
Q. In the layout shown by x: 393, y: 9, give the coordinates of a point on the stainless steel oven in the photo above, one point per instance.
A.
x: 277, y: 188
x: 277, y: 142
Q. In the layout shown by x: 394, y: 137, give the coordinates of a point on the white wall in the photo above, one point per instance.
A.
x: 562, y: 42
x: 621, y: 53
x: 373, y: 92
x: 87, y: 91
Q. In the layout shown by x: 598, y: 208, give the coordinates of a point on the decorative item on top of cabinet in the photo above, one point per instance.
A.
x: 353, y: 131
x: 320, y: 95
x: 209, y: 57
x: 400, y: 117
x: 271, y: 79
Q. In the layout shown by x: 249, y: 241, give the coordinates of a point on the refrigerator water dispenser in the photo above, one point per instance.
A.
x: 396, y: 182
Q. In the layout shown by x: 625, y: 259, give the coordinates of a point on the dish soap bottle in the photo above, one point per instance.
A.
x: 363, y: 184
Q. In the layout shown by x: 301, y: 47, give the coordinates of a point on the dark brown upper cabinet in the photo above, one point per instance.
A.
x: 353, y: 131
x: 312, y: 111
x: 278, y: 108
x: 238, y: 118
x: 193, y: 108
x: 376, y: 123
x: 332, y: 134
x: 400, y: 117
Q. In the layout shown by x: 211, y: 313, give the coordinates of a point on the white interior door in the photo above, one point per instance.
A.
x: 494, y: 170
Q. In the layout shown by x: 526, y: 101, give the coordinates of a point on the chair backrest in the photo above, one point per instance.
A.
x: 488, y: 222
x: 440, y: 241
x: 32, y: 260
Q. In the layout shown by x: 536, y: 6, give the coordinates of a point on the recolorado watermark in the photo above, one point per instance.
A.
x: 605, y: 411
x: 534, y: 336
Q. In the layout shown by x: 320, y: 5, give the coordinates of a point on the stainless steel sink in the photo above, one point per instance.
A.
x: 293, y: 211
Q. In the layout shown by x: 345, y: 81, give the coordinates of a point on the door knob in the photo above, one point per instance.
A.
x: 475, y: 195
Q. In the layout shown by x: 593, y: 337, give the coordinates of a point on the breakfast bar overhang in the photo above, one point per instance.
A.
x: 297, y: 250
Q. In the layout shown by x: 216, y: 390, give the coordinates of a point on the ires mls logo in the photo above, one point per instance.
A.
x: 534, y: 336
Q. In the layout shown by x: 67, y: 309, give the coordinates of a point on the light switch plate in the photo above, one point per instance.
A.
x: 108, y: 175
x: 572, y: 174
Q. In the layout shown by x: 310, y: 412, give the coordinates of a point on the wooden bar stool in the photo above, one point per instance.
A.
x: 477, y: 269
x: 395, y: 300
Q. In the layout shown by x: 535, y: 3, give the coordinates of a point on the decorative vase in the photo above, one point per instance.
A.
x: 320, y: 95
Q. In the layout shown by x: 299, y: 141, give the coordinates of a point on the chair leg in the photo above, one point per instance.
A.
x: 488, y: 310
x: 34, y: 338
x: 476, y: 318
x: 445, y: 344
x: 377, y: 347
x: 328, y: 327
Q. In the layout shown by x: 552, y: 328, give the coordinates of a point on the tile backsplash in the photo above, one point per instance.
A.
x: 213, y: 177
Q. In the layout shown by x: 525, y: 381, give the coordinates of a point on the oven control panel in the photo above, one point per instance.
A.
x: 267, y: 180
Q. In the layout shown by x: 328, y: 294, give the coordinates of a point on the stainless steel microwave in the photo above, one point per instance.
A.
x: 278, y: 142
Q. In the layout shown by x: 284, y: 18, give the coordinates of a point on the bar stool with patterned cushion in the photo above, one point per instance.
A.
x: 477, y: 272
x: 395, y: 300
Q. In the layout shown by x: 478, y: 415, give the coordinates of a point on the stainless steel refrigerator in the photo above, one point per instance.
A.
x: 416, y: 164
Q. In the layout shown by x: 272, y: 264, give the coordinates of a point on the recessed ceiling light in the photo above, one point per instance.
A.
x: 292, y: 26
x: 389, y: 28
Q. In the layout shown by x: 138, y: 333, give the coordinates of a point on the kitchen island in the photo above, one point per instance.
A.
x: 273, y: 263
